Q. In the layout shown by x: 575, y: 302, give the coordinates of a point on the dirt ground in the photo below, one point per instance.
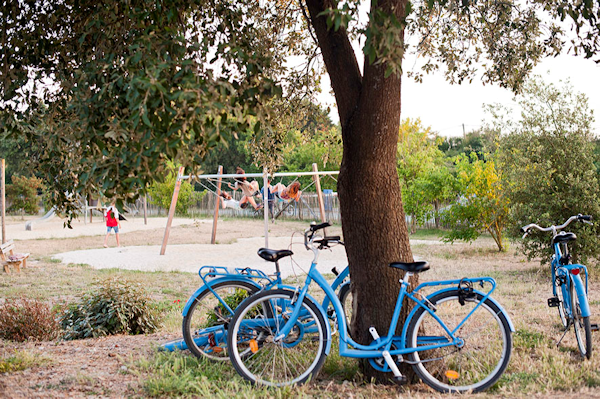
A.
x: 100, y: 367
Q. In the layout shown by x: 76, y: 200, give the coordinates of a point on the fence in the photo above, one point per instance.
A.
x: 307, y: 209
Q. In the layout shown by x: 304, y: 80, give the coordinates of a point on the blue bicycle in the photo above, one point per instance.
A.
x: 208, y: 311
x: 457, y: 339
x: 569, y: 293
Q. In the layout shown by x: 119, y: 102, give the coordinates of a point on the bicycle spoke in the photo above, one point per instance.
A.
x: 479, y: 357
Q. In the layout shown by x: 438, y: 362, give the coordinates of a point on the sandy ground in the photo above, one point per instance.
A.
x: 54, y: 228
x: 234, y: 248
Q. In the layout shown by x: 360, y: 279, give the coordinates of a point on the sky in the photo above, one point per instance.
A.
x: 445, y: 107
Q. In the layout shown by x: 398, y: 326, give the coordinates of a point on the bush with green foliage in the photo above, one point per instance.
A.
x: 114, y: 307
x: 161, y: 193
x: 548, y: 159
x: 27, y: 319
x: 22, y: 194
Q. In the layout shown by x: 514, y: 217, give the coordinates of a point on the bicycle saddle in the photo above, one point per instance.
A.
x: 563, y: 236
x: 273, y: 255
x: 414, y: 267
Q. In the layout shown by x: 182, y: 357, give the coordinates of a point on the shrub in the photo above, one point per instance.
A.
x: 114, y: 307
x: 27, y: 319
x: 22, y: 194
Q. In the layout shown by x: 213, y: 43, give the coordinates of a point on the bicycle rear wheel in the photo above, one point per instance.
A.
x: 478, y: 362
x: 255, y: 353
x: 560, y: 294
x: 205, y: 325
x: 581, y: 325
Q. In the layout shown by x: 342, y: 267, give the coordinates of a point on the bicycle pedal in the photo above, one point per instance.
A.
x: 595, y: 327
x: 401, y: 379
x: 553, y: 302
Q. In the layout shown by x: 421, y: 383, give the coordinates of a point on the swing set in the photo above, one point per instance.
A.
x: 215, y: 180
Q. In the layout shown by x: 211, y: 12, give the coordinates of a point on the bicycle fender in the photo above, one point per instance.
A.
x: 414, y: 310
x: 583, y: 301
x: 200, y: 290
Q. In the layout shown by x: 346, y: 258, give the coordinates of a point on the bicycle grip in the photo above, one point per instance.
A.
x: 587, y: 218
x: 315, y: 227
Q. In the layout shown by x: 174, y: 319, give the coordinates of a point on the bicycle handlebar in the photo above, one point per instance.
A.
x: 323, y: 242
x: 582, y: 218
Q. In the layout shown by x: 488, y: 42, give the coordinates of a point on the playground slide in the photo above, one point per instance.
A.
x: 48, y: 216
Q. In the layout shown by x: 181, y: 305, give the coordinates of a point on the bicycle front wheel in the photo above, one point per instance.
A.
x: 581, y: 325
x: 205, y: 325
x: 480, y: 357
x: 259, y: 357
x: 346, y: 299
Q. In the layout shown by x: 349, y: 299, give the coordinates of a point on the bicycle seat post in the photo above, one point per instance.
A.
x: 277, y: 271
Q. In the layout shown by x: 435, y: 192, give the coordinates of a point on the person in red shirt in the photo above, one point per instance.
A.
x: 111, y: 215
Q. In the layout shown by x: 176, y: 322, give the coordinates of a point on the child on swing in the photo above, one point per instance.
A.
x: 249, y: 189
x: 292, y: 192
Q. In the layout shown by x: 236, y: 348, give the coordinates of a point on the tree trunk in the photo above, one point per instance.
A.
x: 373, y: 222
x: 436, y: 210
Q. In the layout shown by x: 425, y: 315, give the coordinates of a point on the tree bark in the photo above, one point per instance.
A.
x: 373, y: 219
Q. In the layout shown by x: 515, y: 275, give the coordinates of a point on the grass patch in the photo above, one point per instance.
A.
x: 427, y: 234
x: 525, y: 339
x: 340, y: 368
x: 183, y: 375
x: 21, y: 360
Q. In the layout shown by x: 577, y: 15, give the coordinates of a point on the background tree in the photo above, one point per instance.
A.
x: 482, y: 205
x: 144, y: 81
x: 479, y: 141
x: 420, y: 167
x: 548, y: 160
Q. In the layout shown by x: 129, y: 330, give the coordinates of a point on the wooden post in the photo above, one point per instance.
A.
x: 3, y: 199
x: 213, y: 237
x: 145, y: 208
x: 85, y: 211
x: 266, y: 205
x: 172, y: 211
x: 319, y: 194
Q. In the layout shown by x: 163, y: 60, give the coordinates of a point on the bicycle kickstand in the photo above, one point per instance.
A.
x: 561, y: 338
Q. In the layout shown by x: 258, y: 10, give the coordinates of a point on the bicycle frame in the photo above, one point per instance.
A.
x: 212, y: 275
x: 381, y: 345
x: 558, y: 270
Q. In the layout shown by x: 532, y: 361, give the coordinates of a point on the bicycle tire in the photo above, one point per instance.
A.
x: 562, y: 309
x: 258, y: 358
x: 201, y: 320
x: 581, y: 325
x: 346, y: 299
x: 440, y: 368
